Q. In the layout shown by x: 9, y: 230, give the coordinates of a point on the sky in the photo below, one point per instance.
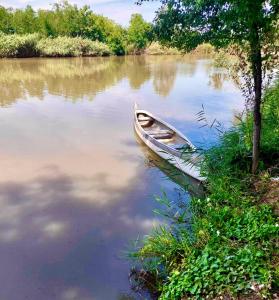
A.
x: 117, y: 10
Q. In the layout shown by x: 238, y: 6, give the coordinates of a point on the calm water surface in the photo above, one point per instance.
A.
x: 75, y: 186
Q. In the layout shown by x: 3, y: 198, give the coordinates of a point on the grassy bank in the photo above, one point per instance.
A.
x: 231, y: 248
x: 31, y: 45
x: 35, y: 45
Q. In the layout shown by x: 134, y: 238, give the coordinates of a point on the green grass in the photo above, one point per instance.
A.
x: 229, y: 246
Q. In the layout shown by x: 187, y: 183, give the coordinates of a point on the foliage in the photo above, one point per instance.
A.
x: 270, y: 129
x: 229, y: 246
x: 69, y: 20
x: 223, y: 59
x: 29, y: 45
x: 204, y: 49
x: 18, y: 46
x: 67, y: 46
x: 139, y: 33
x: 187, y: 24
x: 157, y: 49
x: 116, y: 40
x: 250, y: 24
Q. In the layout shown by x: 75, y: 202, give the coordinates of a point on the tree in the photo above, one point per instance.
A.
x: 251, y: 24
x: 139, y: 32
x: 24, y: 21
x: 5, y: 20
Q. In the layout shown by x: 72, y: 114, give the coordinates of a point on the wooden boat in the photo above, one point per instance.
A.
x: 167, y: 142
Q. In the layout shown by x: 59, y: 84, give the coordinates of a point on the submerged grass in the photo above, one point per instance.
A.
x: 231, y: 248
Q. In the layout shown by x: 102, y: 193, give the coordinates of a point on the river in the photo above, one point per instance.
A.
x: 75, y: 185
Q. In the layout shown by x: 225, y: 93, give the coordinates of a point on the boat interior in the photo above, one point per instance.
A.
x: 162, y: 133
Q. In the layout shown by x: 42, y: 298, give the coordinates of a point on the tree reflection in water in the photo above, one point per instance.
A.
x: 75, y: 78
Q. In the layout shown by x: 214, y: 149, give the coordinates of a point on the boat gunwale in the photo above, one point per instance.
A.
x: 157, y: 142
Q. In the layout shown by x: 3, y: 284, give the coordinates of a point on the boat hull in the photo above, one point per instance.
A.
x: 186, y: 167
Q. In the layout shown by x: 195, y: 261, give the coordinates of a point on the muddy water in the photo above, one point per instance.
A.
x: 75, y: 186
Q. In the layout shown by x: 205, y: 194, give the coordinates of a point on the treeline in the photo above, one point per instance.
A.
x: 66, y: 20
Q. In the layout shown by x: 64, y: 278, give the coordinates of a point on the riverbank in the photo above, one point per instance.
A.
x: 34, y: 45
x: 231, y: 248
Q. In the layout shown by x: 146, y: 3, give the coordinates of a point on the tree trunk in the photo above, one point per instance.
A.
x: 256, y: 60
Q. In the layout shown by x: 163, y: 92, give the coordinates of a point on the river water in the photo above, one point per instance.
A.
x: 75, y: 185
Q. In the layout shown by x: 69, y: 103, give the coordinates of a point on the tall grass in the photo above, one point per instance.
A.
x: 67, y: 46
x: 156, y: 49
x: 30, y: 45
x: 18, y: 45
x: 229, y: 247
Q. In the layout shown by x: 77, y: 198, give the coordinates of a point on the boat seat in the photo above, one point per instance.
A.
x: 145, y: 124
x: 145, y: 121
x: 182, y: 147
x: 162, y: 134
x: 142, y: 118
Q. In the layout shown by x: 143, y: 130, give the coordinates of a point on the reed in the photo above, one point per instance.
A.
x: 30, y: 45
x: 15, y: 45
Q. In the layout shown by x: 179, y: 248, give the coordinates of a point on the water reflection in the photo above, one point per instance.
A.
x: 217, y: 79
x: 164, y: 76
x: 76, y: 78
x: 74, y: 188
x: 193, y: 186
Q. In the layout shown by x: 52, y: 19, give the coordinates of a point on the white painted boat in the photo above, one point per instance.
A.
x: 167, y: 142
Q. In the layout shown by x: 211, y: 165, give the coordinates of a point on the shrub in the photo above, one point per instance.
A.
x: 67, y: 46
x: 204, y: 49
x: 15, y: 45
x: 156, y: 49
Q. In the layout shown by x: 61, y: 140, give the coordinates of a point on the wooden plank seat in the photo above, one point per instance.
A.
x: 143, y: 118
x: 162, y: 134
x: 182, y: 147
x: 145, y: 121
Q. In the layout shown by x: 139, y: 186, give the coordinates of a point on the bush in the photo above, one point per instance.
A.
x: 67, y: 46
x: 156, y: 49
x: 204, y: 49
x: 31, y: 45
x: 15, y: 45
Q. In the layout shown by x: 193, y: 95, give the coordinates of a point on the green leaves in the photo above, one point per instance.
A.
x: 139, y: 33
x: 185, y: 24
